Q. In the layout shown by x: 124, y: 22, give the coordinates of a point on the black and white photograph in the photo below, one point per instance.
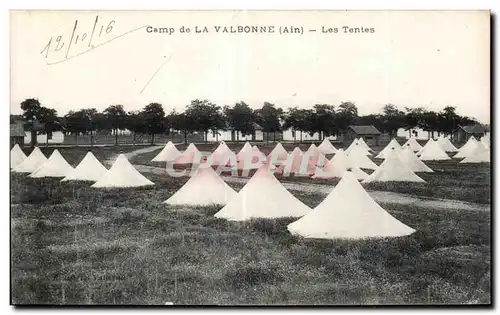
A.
x: 250, y: 158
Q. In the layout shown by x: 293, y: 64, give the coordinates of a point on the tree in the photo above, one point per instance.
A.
x: 181, y: 122
x: 323, y: 119
x: 153, y: 116
x: 205, y: 116
x: 448, y: 120
x: 135, y: 122
x: 413, y: 118
x: 430, y: 122
x: 393, y: 119
x: 115, y: 118
x: 299, y: 120
x: 269, y: 117
x: 345, y: 116
x: 48, y: 121
x: 31, y: 113
x: 76, y: 123
x: 241, y: 118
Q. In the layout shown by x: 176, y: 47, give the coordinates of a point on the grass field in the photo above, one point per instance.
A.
x: 72, y: 244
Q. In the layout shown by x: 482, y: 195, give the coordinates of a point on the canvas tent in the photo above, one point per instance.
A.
x: 413, y: 144
x: 414, y: 163
x: 32, y: 162
x: 169, y: 153
x: 432, y: 152
x: 89, y: 169
x: 468, y: 148
x: 56, y: 166
x: 122, y: 174
x: 17, y: 156
x: 393, y: 169
x: 262, y: 197
x: 392, y: 146
x: 326, y: 147
x: 348, y: 212
x: 446, y: 144
x: 203, y: 189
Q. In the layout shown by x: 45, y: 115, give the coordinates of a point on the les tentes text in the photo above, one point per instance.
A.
x: 269, y: 29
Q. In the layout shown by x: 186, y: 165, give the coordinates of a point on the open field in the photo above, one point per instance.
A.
x: 72, y: 244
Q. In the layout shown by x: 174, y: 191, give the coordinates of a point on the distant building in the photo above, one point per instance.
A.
x: 463, y: 133
x: 17, y: 134
x: 418, y: 133
x: 51, y: 137
x: 369, y: 133
x: 233, y: 135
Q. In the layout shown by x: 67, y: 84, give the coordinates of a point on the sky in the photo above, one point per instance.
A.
x: 420, y: 58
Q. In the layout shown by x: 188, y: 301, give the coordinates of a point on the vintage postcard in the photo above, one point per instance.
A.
x: 250, y: 158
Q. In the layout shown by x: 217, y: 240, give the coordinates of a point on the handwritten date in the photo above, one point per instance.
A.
x: 83, y: 41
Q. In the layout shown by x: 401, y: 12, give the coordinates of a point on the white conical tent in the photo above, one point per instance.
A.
x: 250, y: 159
x: 414, y: 163
x: 169, y: 153
x: 358, y: 146
x: 278, y: 154
x: 315, y: 155
x: 190, y: 156
x: 32, y: 162
x: 262, y: 197
x: 413, y: 144
x: 122, y: 174
x: 326, y: 147
x: 337, y: 166
x: 244, y: 150
x: 468, y: 148
x: 358, y: 158
x: 56, y: 166
x: 393, y: 169
x: 17, y: 156
x: 446, y: 144
x: 203, y: 189
x: 348, y: 212
x: 223, y: 155
x: 89, y: 169
x: 480, y: 155
x: 432, y: 152
x: 393, y: 145
x: 486, y: 141
x: 364, y: 144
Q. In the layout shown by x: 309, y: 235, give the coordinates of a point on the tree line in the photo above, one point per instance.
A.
x: 203, y: 116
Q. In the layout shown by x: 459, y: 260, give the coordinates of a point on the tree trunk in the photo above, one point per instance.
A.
x: 133, y: 138
x: 152, y: 139
x: 76, y: 138
x: 294, y: 137
x: 300, y: 136
x: 33, y: 136
x: 185, y: 137
x: 116, y: 136
x: 91, y: 139
x: 46, y: 139
x: 206, y: 136
x: 274, y: 136
x: 217, y: 136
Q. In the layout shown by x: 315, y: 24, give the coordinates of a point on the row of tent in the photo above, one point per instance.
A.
x: 401, y: 165
x: 121, y: 173
x: 347, y: 212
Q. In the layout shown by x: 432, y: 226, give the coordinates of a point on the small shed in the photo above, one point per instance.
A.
x: 17, y: 134
x: 369, y: 133
x: 463, y: 133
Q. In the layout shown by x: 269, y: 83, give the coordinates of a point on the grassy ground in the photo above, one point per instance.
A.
x: 450, y: 180
x: 72, y: 244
